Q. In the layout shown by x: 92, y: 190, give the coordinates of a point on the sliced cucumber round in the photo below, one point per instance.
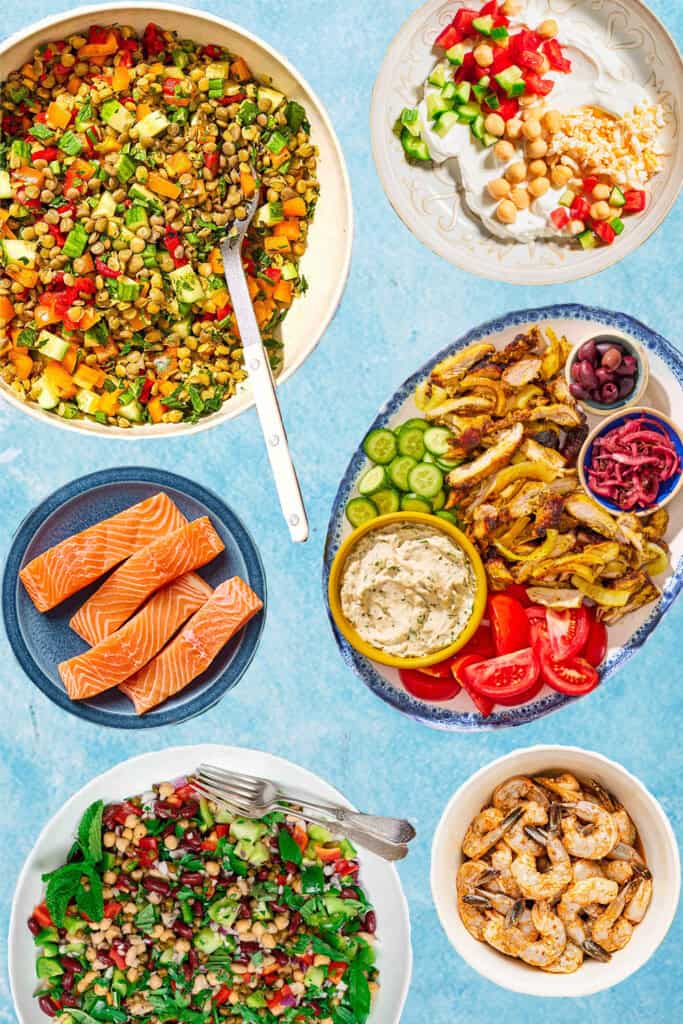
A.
x: 360, y: 511
x: 411, y: 442
x: 413, y: 503
x: 387, y: 501
x: 425, y: 480
x: 438, y: 501
x: 436, y: 440
x: 448, y: 516
x: 374, y: 480
x: 399, y: 471
x: 415, y: 424
x: 380, y: 446
x: 428, y: 457
x: 448, y: 464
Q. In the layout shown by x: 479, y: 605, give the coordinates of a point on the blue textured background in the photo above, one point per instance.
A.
x: 297, y: 699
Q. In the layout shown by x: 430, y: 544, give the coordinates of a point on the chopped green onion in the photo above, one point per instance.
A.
x: 76, y: 242
x: 125, y: 168
x: 70, y: 144
x: 149, y: 256
x: 247, y: 113
x: 84, y: 115
x: 41, y: 131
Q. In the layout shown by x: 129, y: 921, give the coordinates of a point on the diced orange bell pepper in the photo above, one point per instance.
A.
x: 82, y: 168
x: 261, y: 312
x: 294, y: 207
x: 328, y: 854
x: 60, y: 381
x: 70, y: 359
x: 74, y: 84
x: 216, y: 261
x: 120, y: 79
x: 58, y: 116
x: 254, y: 286
x: 167, y: 387
x: 267, y: 288
x: 22, y: 362
x: 276, y: 243
x: 89, y: 50
x: 142, y: 110
x: 247, y: 184
x: 278, y: 159
x: 239, y: 69
x: 22, y: 275
x: 88, y: 377
x: 87, y: 264
x: 283, y: 292
x: 89, y: 319
x: 179, y: 163
x: 300, y: 836
x: 137, y: 323
x: 42, y: 916
x: 219, y: 298
x: 162, y: 186
x: 28, y: 72
x: 29, y: 176
x: 156, y: 409
x: 287, y: 229
x: 109, y: 402
x: 46, y: 315
x: 6, y: 311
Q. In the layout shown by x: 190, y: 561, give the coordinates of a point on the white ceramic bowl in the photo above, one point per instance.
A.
x: 328, y: 257
x: 394, y: 954
x: 660, y: 849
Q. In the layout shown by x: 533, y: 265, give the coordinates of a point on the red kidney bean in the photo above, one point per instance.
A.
x: 197, y: 909
x: 280, y: 956
x: 164, y: 810
x: 109, y: 817
x: 190, y: 809
x: 193, y: 959
x: 278, y: 908
x: 125, y: 883
x: 70, y: 964
x: 34, y: 926
x: 263, y: 874
x: 183, y: 930
x: 159, y: 885
x: 67, y: 981
x: 294, y: 921
x: 245, y: 910
x: 48, y: 1006
x: 62, y: 933
x: 226, y: 877
x: 192, y: 840
x: 370, y: 922
x: 69, y: 1000
x: 249, y: 947
x: 241, y: 958
x: 349, y: 894
x: 105, y: 959
x: 191, y: 878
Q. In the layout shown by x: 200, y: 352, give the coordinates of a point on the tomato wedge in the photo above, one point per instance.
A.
x: 575, y: 677
x: 483, y: 704
x: 429, y: 688
x: 506, y: 678
x: 442, y: 670
x: 481, y: 642
x: 596, y: 645
x: 509, y: 624
x: 567, y: 631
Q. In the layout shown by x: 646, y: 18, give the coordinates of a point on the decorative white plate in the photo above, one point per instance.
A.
x: 664, y: 392
x: 328, y: 257
x: 394, y: 954
x: 427, y: 198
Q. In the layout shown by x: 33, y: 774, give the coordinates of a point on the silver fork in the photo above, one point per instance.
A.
x: 258, y: 367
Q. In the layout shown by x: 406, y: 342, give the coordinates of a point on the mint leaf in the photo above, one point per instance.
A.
x: 90, y: 901
x: 62, y: 886
x: 90, y: 832
x: 81, y: 1017
x: 289, y: 851
x: 359, y: 992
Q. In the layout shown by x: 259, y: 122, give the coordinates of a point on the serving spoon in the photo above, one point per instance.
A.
x: 257, y: 364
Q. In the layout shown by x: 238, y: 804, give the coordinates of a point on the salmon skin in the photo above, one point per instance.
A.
x: 149, y: 569
x: 130, y: 648
x: 229, y: 608
x: 80, y: 560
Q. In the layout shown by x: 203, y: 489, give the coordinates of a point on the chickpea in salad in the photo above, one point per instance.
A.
x: 169, y: 909
x: 124, y: 159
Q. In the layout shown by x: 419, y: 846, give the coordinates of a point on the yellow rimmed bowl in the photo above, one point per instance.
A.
x: 354, y: 638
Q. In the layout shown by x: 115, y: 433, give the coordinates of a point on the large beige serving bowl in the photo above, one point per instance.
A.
x: 326, y: 263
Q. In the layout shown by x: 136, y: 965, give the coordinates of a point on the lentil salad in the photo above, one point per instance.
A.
x: 123, y: 161
x: 171, y: 910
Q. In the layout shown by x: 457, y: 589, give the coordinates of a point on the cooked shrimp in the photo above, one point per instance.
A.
x: 506, y: 938
x: 567, y: 962
x: 622, y: 851
x: 620, y: 871
x: 487, y: 829
x: 472, y: 907
x: 501, y: 860
x: 637, y: 906
x: 518, y: 790
x: 595, y: 844
x: 518, y: 837
x: 626, y: 830
x: 610, y: 930
x: 599, y: 795
x: 553, y: 938
x: 548, y: 886
x: 566, y: 786
x: 577, y: 898
x: 587, y: 869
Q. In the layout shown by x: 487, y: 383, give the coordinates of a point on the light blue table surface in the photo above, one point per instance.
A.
x: 297, y: 699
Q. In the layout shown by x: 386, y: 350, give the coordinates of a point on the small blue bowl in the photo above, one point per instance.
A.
x: 667, y: 490
x: 41, y: 641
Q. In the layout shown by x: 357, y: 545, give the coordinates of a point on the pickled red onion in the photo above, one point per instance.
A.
x: 630, y: 463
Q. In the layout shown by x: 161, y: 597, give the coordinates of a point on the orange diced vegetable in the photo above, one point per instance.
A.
x: 70, y: 359
x: 162, y: 186
x: 156, y: 409
x: 29, y: 176
x: 74, y: 84
x: 216, y: 261
x: 239, y: 69
x: 276, y: 244
x: 120, y: 79
x: 283, y: 292
x: 89, y: 319
x: 22, y: 275
x: 294, y: 207
x: 109, y: 402
x: 59, y: 380
x: 6, y: 311
x: 219, y: 298
x: 87, y: 264
x: 179, y: 163
x: 167, y: 387
x: 253, y: 286
x: 278, y: 159
x: 82, y: 169
x: 248, y: 184
x: 58, y: 116
x: 88, y: 377
x: 22, y: 362
x: 28, y: 72
x: 287, y: 229
x: 261, y: 312
x: 110, y: 45
x: 137, y: 323
x: 142, y: 110
x: 46, y: 315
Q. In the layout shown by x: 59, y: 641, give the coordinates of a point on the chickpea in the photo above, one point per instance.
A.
x: 552, y: 121
x: 483, y: 55
x: 531, y: 129
x: 536, y: 149
x: 495, y: 125
x: 538, y: 187
x: 506, y: 212
x: 499, y: 188
x: 559, y: 176
x: 548, y: 28
x: 511, y: 7
x: 575, y: 227
x: 538, y: 169
x: 545, y: 65
x: 513, y: 129
x: 600, y: 211
x: 504, y: 151
x: 520, y: 197
x: 516, y: 172
x: 601, y: 192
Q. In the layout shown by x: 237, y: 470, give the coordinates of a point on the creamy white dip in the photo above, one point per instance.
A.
x: 598, y: 78
x: 408, y: 589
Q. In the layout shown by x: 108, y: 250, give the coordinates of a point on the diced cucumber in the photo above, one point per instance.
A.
x: 480, y: 132
x: 47, y: 399
x: 386, y: 501
x: 143, y: 195
x: 411, y: 442
x: 468, y: 112
x: 415, y: 149
x: 456, y: 54
x: 5, y: 187
x: 588, y: 239
x: 381, y: 446
x: 260, y: 854
x: 412, y: 503
x: 491, y: 100
x: 245, y: 828
x: 135, y: 217
x: 186, y: 284
x: 132, y: 411
x: 314, y: 976
x: 217, y: 69
x: 484, y: 25
x: 446, y: 122
x: 87, y: 401
x: 125, y: 168
x: 426, y: 481
x: 319, y: 834
x: 208, y: 941
x: 47, y: 935
x: 106, y: 207
x: 436, y: 440
x: 52, y: 346
x: 498, y: 33
x: 399, y: 470
x: 17, y: 251
x: 439, y: 76
x: 270, y: 214
x: 617, y: 197
x: 436, y: 105
x: 275, y: 97
x: 511, y: 81
x: 48, y: 968
x: 116, y: 116
x: 360, y: 511
x: 567, y: 198
x: 151, y: 125
x: 463, y: 92
x: 374, y: 480
x: 617, y: 225
x: 449, y: 91
x: 410, y: 120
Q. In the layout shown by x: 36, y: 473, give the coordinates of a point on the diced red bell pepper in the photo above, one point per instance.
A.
x: 42, y: 916
x: 210, y: 845
x: 169, y: 86
x: 128, y: 45
x: 274, y: 273
x: 59, y: 238
x: 50, y: 153
x: 85, y: 285
x: 222, y: 830
x: 636, y: 200
x: 224, y: 311
x: 537, y: 85
x: 112, y: 909
x: 236, y: 97
x: 123, y: 810
x: 345, y: 867
x: 149, y: 843
x: 211, y: 161
x: 152, y: 42
x: 531, y: 60
x: 580, y: 208
x: 210, y: 51
x: 106, y: 271
x: 222, y: 995
x: 126, y: 59
x: 553, y: 52
x: 560, y: 217
x: 526, y: 39
x: 118, y: 959
x: 508, y: 109
x: 604, y: 231
x: 449, y: 37
x: 97, y: 35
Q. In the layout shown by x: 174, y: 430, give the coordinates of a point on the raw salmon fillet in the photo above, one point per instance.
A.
x: 80, y: 560
x: 149, y: 569
x: 130, y: 648
x: 229, y: 608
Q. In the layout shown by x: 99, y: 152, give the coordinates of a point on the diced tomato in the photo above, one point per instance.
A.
x: 211, y: 51
x: 483, y: 704
x: 537, y: 85
x: 596, y: 645
x: 50, y: 153
x: 273, y: 273
x: 574, y: 677
x: 502, y: 59
x: 508, y: 109
x: 560, y: 217
x: 635, y: 200
x: 149, y: 843
x: 557, y: 59
x: 152, y: 42
x: 428, y: 688
x: 489, y: 8
x: 506, y: 679
x: 346, y: 867
x: 222, y: 995
x: 146, y: 392
x: 580, y: 208
x: 97, y: 35
x: 85, y: 285
x: 300, y: 836
x: 42, y: 916
x: 466, y: 71
x: 185, y: 792
x: 526, y: 39
x: 112, y: 909
x: 481, y: 642
x: 336, y: 971
x: 449, y: 37
x: 604, y: 231
x: 589, y: 184
x: 209, y: 844
x: 567, y: 631
x: 509, y: 624
x: 463, y: 21
x: 118, y: 959
x: 124, y: 810
x: 222, y: 830
x: 211, y: 161
x: 531, y: 60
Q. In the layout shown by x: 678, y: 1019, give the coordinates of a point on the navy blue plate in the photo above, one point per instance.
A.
x: 41, y: 641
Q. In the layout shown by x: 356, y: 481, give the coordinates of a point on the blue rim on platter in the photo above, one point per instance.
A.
x: 39, y: 641
x: 502, y: 718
